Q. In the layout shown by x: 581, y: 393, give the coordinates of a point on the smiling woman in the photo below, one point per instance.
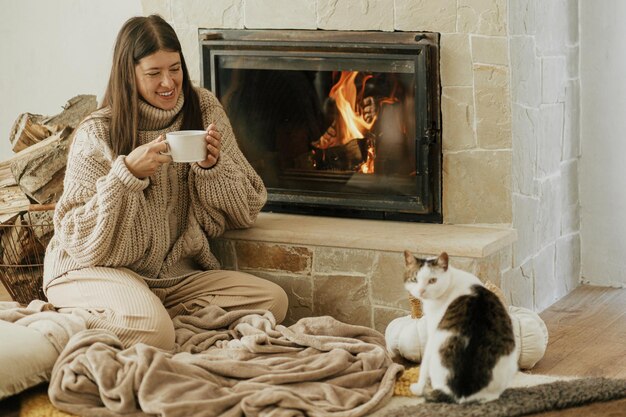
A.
x: 132, y: 228
x: 159, y: 79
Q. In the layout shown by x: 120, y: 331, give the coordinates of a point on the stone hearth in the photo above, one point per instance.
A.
x: 352, y: 269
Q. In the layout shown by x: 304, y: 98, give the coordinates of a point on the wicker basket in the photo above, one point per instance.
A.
x: 23, y: 242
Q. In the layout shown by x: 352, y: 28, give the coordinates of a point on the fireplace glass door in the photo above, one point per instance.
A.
x: 333, y: 127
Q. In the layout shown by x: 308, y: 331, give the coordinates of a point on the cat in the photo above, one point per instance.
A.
x: 470, y: 353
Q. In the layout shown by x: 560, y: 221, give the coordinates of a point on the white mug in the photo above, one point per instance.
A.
x: 186, y: 145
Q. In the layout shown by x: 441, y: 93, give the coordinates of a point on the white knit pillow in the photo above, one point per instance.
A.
x: 406, y: 336
x: 26, y: 358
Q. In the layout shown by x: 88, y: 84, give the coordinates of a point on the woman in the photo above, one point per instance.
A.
x: 131, y: 247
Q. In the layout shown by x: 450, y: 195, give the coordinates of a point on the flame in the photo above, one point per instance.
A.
x: 350, y: 125
x: 352, y: 122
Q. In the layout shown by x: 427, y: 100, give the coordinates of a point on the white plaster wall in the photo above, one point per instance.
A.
x: 52, y: 50
x: 603, y: 166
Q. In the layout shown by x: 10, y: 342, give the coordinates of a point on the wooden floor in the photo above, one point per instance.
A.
x: 587, y: 332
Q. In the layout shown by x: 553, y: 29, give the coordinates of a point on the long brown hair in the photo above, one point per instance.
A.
x: 139, y: 37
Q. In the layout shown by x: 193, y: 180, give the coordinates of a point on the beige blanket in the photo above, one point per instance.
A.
x: 236, y: 363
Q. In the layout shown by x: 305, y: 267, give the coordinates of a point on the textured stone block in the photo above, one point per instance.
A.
x: 549, y: 224
x: 517, y: 285
x: 554, y: 78
x: 550, y: 139
x: 571, y: 124
x: 506, y: 259
x: 522, y: 17
x: 456, y: 61
x: 478, y: 187
x: 485, y: 17
x: 525, y: 126
x: 299, y: 291
x: 345, y: 298
x: 465, y: 264
x: 525, y: 221
x: 569, y: 183
x: 493, y: 108
x: 355, y: 15
x: 383, y: 316
x: 492, y: 50
x: 273, y: 257
x: 280, y: 14
x: 525, y: 72
x: 214, y: 14
x: 345, y: 261
x: 546, y: 292
x: 488, y: 269
x: 570, y: 219
x: 426, y: 15
x: 387, y: 280
x: 567, y: 264
x: 457, y: 112
x: 552, y: 27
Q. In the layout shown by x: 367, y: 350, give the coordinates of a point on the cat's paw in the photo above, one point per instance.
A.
x: 417, y: 389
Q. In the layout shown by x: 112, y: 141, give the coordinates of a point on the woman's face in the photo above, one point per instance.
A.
x: 160, y: 78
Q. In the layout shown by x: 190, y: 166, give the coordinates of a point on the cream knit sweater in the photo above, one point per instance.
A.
x: 158, y: 226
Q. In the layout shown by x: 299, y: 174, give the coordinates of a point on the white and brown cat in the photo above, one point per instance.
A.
x: 470, y: 352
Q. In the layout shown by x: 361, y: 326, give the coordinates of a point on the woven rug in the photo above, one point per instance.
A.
x: 522, y: 401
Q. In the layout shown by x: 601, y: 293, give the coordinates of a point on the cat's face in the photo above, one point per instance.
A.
x: 426, y: 279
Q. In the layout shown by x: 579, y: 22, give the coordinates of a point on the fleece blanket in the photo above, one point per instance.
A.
x: 236, y: 363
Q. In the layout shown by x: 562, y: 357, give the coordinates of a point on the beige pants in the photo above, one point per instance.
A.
x: 121, y: 301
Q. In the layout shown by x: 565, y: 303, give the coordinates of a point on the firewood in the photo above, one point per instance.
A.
x: 6, y: 176
x: 39, y: 169
x: 75, y: 110
x: 12, y: 201
x: 344, y: 157
x: 29, y: 129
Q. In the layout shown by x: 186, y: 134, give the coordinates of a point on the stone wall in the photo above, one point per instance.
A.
x: 355, y: 286
x: 544, y: 47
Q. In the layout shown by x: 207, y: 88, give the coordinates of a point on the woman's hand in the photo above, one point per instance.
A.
x: 146, y: 159
x: 213, y: 145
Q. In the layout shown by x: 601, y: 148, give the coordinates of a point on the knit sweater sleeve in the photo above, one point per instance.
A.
x: 230, y: 194
x: 95, y: 218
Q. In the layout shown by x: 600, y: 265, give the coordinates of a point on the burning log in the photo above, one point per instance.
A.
x: 29, y: 129
x: 345, y: 157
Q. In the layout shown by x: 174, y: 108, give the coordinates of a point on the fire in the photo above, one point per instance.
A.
x: 350, y: 124
x: 356, y: 117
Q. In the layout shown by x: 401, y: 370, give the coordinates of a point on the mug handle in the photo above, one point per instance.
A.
x: 169, y: 150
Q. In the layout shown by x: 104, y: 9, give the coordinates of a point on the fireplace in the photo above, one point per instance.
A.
x: 336, y: 123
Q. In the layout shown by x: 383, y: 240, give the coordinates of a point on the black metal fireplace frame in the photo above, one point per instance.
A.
x: 422, y: 47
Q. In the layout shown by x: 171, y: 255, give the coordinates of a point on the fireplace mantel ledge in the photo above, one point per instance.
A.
x: 423, y: 238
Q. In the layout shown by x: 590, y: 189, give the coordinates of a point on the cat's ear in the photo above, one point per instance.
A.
x: 442, y: 261
x: 409, y: 259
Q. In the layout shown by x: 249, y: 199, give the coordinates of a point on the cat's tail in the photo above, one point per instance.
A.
x: 438, y: 396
